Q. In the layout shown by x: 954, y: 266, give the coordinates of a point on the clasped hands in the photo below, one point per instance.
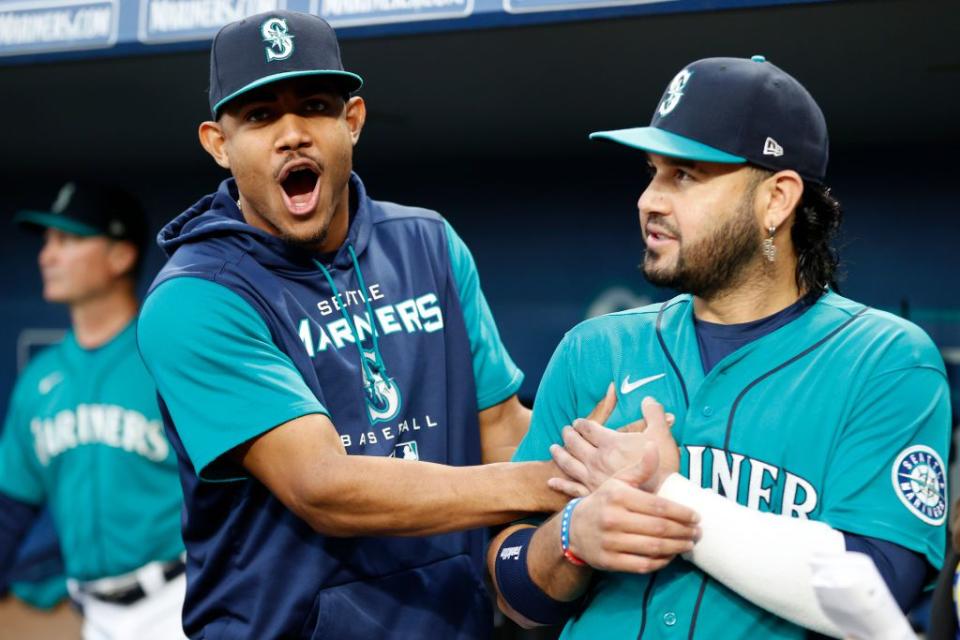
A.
x: 621, y: 524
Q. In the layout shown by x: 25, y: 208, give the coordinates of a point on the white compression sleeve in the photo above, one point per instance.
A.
x: 764, y: 557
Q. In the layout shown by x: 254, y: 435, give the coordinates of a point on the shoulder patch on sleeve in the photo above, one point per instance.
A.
x: 920, y: 482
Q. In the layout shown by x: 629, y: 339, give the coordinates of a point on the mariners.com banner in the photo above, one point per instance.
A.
x: 51, y: 27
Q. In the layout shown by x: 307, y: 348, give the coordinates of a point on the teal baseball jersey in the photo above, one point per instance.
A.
x: 83, y: 435
x: 841, y: 416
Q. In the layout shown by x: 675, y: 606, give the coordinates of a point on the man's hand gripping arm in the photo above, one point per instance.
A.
x: 615, y: 528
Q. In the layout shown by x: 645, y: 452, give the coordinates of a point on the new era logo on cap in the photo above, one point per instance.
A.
x: 771, y: 148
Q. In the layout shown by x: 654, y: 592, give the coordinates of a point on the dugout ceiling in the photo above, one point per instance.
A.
x: 887, y: 74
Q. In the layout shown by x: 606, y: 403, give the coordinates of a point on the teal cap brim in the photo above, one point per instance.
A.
x: 44, y: 220
x: 352, y: 82
x: 665, y: 143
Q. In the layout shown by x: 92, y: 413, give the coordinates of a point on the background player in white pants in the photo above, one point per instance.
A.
x: 83, y: 433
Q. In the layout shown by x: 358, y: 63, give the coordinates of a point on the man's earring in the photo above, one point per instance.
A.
x: 769, y: 250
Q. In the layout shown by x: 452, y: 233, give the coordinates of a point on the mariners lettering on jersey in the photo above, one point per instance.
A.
x: 401, y: 435
x: 754, y: 483
x: 105, y: 424
x: 412, y: 315
x: 921, y: 484
x: 350, y: 297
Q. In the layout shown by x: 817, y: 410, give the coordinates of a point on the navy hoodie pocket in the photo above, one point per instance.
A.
x: 445, y: 599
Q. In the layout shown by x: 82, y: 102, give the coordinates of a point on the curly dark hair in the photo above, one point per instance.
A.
x: 814, y: 232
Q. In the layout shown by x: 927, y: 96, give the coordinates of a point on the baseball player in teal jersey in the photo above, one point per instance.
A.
x: 83, y: 433
x: 804, y: 423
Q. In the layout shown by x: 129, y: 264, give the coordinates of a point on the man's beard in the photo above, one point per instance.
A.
x: 716, y: 262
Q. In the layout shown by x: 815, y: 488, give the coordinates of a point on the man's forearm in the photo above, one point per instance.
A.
x: 764, y: 557
x: 369, y: 495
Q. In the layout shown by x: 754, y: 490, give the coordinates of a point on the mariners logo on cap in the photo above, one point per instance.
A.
x: 674, y: 92
x: 921, y: 484
x: 64, y: 197
x: 278, y: 38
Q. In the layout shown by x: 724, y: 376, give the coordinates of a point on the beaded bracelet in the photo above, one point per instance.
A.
x: 565, y: 533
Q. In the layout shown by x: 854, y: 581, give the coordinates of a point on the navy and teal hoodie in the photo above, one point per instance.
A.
x: 392, y: 338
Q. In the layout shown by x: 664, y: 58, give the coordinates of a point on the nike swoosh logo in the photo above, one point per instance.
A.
x: 627, y: 387
x: 48, y: 383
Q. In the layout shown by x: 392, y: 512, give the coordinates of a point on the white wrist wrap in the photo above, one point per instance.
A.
x: 764, y: 557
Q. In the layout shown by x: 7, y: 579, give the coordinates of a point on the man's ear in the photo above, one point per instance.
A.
x: 122, y: 257
x: 213, y: 141
x: 355, y: 113
x: 781, y: 195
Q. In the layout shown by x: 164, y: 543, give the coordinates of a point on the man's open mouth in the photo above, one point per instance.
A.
x: 300, y: 183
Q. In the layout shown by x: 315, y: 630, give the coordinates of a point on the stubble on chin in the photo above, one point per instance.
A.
x: 308, y: 240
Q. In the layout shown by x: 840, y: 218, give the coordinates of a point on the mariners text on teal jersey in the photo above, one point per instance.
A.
x: 757, y: 484
x: 106, y: 424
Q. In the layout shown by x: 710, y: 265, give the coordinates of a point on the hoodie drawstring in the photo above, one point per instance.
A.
x: 368, y: 367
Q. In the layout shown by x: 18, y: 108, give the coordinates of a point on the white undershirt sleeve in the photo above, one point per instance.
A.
x: 764, y: 557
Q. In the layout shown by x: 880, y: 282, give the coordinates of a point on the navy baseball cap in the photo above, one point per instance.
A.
x: 270, y: 47
x: 735, y: 110
x: 91, y: 209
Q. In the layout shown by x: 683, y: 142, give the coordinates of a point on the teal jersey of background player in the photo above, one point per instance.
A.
x: 841, y: 416
x: 83, y: 435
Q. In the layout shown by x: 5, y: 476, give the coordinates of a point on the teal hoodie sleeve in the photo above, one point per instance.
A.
x: 496, y: 375
x: 223, y: 379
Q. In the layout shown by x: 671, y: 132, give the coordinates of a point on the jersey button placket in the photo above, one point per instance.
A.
x: 707, y: 411
x: 669, y: 618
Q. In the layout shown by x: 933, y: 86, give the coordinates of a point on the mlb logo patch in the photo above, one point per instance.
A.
x: 406, y: 450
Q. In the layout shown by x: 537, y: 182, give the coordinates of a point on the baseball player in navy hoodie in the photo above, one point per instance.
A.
x: 329, y: 373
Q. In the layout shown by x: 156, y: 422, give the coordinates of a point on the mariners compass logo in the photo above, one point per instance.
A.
x: 920, y: 482
x: 278, y: 38
x: 674, y: 92
x: 380, y: 391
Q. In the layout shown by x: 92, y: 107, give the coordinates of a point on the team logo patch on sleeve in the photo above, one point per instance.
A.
x: 921, y: 484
